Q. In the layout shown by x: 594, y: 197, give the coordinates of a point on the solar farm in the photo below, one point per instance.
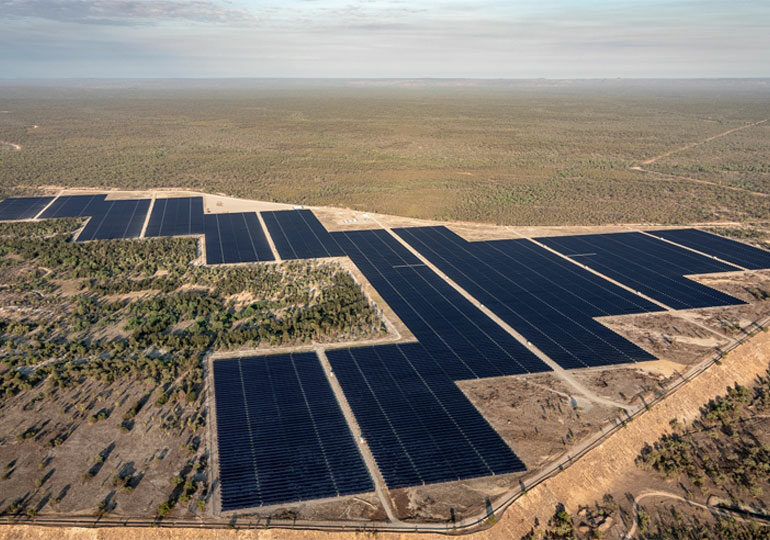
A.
x: 327, y: 422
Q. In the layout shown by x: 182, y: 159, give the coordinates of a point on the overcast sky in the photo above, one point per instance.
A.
x: 384, y: 38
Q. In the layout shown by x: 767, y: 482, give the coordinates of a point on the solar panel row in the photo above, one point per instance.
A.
x: 297, y: 234
x: 22, y: 207
x: 646, y: 264
x: 550, y: 301
x: 729, y: 250
x: 438, y: 316
x: 116, y: 219
x: 420, y: 427
x: 178, y: 216
x: 281, y: 434
x: 110, y: 219
x: 235, y: 238
x: 75, y: 206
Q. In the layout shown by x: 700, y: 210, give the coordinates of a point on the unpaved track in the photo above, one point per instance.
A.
x: 653, y: 159
x: 698, y: 143
x: 559, y: 371
x: 380, y: 487
x: 15, y: 146
x: 666, y: 495
x: 699, y: 181
x: 587, y: 480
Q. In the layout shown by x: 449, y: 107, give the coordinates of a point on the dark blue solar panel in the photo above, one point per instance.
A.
x: 439, y: 316
x: 75, y: 206
x: 116, y: 219
x: 235, y: 238
x: 22, y: 207
x: 418, y: 424
x: 281, y: 433
x: 646, y: 264
x: 297, y: 234
x: 728, y: 250
x: 549, y: 300
x: 179, y: 216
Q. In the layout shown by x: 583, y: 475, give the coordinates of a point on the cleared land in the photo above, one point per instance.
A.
x: 610, y: 469
x: 103, y: 364
x: 160, y: 312
x: 519, y: 154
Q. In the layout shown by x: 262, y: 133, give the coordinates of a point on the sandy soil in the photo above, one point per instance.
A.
x: 537, y: 415
x: 151, y: 454
x: 732, y: 320
x: 626, y: 384
x: 752, y: 286
x: 609, y: 468
x: 214, y: 204
x: 345, y: 219
x: 669, y: 336
x: 12, y: 146
x: 443, y: 503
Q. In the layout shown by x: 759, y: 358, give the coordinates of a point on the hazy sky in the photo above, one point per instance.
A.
x: 384, y: 38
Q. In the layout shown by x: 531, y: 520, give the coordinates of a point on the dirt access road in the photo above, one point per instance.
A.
x: 14, y: 146
x: 666, y: 495
x: 704, y: 141
x: 653, y: 159
x: 586, y: 481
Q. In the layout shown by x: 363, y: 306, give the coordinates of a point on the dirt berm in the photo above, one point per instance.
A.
x: 583, y: 483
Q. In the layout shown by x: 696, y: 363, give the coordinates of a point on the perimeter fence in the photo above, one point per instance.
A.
x: 468, y: 525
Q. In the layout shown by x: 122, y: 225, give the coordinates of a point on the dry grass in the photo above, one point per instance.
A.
x: 523, y: 154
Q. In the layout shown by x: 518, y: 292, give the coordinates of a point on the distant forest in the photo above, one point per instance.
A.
x: 505, y: 152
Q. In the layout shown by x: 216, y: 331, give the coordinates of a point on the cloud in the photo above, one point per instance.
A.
x: 125, y: 12
x: 383, y: 38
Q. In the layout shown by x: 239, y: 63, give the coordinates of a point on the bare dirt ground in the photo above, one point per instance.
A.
x: 752, y: 286
x: 536, y: 415
x: 345, y: 219
x: 363, y: 507
x: 76, y: 474
x: 625, y: 384
x: 12, y: 146
x: 539, y: 416
x: 450, y: 501
x: 732, y: 320
x: 670, y: 336
x: 609, y: 468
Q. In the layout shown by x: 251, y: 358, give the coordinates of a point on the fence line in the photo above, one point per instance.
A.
x: 449, y: 528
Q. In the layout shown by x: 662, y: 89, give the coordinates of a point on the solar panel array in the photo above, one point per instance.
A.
x: 75, y: 206
x: 469, y: 343
x: 281, y: 434
x: 22, y: 207
x: 110, y: 219
x: 235, y: 238
x: 549, y: 300
x: 419, y: 425
x: 646, y: 264
x: 297, y: 234
x: 178, y: 216
x: 728, y: 250
x: 116, y: 219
